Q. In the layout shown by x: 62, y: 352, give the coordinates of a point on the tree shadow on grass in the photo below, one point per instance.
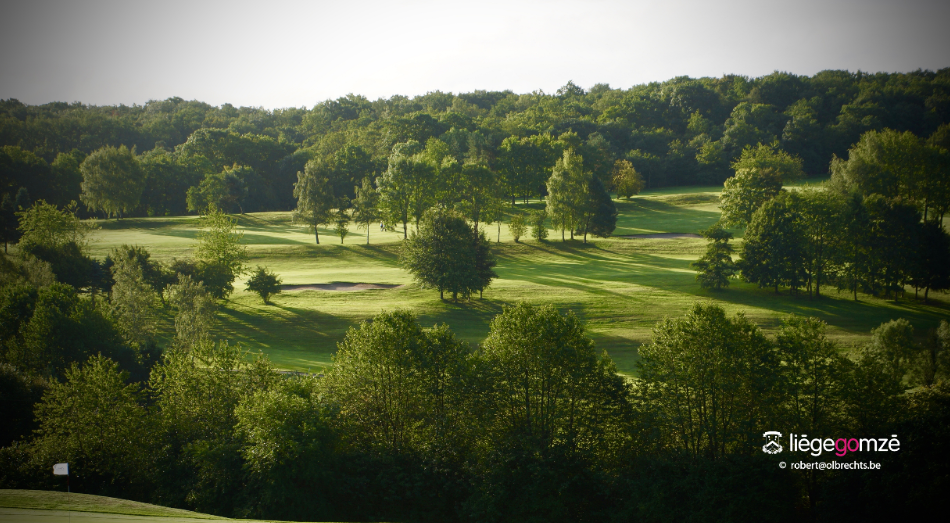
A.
x: 624, y: 352
x: 838, y: 310
x: 251, y: 238
x: 651, y: 216
x: 291, y: 327
x: 177, y: 233
x: 592, y: 270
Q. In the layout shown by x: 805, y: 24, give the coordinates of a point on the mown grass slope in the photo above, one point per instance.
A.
x: 50, y: 500
x: 42, y: 506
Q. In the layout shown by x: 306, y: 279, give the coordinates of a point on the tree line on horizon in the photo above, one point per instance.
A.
x: 181, y: 155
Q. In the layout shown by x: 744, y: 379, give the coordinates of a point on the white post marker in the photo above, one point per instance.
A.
x: 62, y: 469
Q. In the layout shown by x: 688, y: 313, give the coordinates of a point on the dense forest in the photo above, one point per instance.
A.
x: 683, y: 131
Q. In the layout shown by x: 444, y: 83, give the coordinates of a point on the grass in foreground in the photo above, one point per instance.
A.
x: 50, y: 500
x: 41, y: 506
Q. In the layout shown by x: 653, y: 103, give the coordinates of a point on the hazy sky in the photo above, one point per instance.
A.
x: 296, y: 53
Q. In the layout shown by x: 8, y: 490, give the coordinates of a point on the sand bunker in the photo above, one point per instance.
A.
x: 340, y: 286
x: 662, y: 235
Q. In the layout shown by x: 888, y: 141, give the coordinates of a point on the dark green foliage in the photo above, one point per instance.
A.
x: 443, y: 255
x: 600, y: 219
x: 917, y: 475
x: 89, y: 421
x: 341, y: 219
x: 406, y: 382
x: 68, y: 262
x: 682, y: 131
x: 19, y: 393
x: 48, y: 329
x: 892, y: 243
x: 711, y: 381
x: 550, y: 387
x: 932, y: 270
x: 289, y: 450
x: 112, y: 180
x: 8, y: 221
x: 411, y: 424
x: 265, y: 283
x: 218, y: 279
x: 716, y: 267
x: 226, y: 190
x: 773, y: 248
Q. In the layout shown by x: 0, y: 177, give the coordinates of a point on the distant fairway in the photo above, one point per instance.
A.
x: 620, y: 287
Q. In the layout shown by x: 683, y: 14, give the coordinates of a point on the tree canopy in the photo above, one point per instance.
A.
x: 447, y: 255
x: 112, y: 180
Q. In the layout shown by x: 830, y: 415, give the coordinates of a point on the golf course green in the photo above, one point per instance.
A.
x: 620, y: 286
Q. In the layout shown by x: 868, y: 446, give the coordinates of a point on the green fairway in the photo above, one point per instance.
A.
x: 620, y: 287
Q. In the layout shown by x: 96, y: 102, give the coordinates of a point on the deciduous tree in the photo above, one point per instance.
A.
x: 443, y: 255
x: 264, y: 283
x: 716, y: 267
x: 315, y: 197
x: 568, y: 192
x: 366, y: 206
x: 627, y: 181
x: 112, y: 180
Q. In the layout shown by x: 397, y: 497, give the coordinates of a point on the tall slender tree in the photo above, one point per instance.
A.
x: 314, y: 194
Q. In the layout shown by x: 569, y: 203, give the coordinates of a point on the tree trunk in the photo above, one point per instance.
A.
x: 441, y: 295
x: 405, y: 229
x: 499, y: 231
x: 367, y: 234
x: 316, y: 234
x: 455, y: 297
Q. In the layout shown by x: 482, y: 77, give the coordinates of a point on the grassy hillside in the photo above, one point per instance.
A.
x: 47, y: 500
x: 41, y: 506
x: 620, y: 286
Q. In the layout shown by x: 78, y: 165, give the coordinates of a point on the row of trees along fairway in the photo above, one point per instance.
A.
x: 180, y: 156
x: 413, y: 424
x: 420, y: 179
x: 876, y: 226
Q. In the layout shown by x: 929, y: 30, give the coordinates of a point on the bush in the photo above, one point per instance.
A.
x: 264, y: 283
x: 517, y: 227
x: 538, y: 230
